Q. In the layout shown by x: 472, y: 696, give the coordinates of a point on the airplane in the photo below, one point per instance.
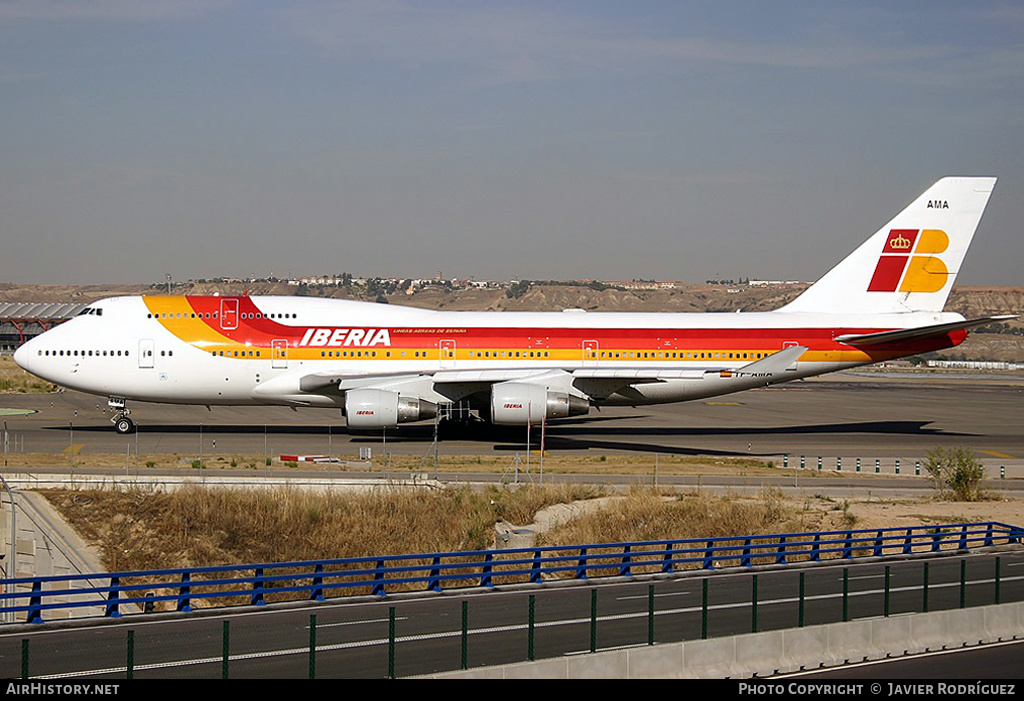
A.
x: 384, y: 365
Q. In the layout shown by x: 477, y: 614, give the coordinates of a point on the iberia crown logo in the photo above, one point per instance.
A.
x: 900, y: 242
x: 921, y: 272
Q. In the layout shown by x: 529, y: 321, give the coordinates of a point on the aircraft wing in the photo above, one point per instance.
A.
x: 765, y: 367
x: 596, y: 382
x: 872, y: 339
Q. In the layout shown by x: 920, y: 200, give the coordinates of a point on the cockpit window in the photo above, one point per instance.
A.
x: 91, y: 310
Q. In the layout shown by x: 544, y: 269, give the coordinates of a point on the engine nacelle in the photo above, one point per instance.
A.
x: 520, y: 403
x: 380, y: 408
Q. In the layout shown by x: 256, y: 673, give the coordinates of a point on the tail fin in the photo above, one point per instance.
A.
x: 911, y: 262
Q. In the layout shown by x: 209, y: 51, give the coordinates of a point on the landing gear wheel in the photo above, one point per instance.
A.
x: 124, y: 425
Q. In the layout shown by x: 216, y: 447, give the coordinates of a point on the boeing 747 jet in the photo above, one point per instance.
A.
x: 383, y: 365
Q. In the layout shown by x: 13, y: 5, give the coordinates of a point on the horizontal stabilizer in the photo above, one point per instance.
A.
x: 872, y: 339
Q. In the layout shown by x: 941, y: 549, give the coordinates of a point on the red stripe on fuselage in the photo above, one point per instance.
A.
x: 255, y: 329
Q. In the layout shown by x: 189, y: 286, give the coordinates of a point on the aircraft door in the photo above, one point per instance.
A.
x: 229, y: 314
x: 590, y: 352
x: 146, y: 352
x: 279, y: 358
x: 447, y: 347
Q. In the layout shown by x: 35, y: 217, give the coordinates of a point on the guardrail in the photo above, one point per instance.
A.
x: 258, y: 584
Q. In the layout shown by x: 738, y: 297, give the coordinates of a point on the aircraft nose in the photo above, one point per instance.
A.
x: 22, y: 354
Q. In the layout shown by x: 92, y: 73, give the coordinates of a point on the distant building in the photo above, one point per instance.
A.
x: 22, y: 321
x: 974, y: 364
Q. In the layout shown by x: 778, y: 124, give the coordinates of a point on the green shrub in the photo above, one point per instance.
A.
x: 956, y: 472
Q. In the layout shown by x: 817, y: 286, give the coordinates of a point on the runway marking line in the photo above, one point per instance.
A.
x: 997, y: 455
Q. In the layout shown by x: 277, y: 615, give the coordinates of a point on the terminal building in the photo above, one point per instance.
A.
x: 21, y: 321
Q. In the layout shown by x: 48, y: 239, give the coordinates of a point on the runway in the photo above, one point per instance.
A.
x: 870, y: 416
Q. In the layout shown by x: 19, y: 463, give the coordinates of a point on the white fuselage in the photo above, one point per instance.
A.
x: 134, y: 351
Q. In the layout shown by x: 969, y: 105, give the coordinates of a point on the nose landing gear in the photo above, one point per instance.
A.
x: 122, y: 424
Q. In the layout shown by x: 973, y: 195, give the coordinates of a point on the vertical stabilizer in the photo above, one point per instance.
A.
x: 911, y: 262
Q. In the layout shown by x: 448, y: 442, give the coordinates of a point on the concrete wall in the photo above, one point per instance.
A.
x: 776, y: 652
x: 41, y: 544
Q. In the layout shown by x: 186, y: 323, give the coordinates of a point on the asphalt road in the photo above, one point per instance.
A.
x: 846, y: 416
x: 351, y: 638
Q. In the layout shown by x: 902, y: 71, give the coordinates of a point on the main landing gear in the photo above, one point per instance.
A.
x: 122, y: 424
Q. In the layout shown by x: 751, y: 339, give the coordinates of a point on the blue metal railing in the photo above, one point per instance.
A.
x: 316, y: 580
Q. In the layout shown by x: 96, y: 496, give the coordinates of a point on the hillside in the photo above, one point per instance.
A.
x: 1005, y: 342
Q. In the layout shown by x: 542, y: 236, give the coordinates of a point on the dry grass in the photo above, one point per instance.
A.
x: 14, y: 379
x: 647, y: 515
x: 643, y: 467
x: 195, y: 526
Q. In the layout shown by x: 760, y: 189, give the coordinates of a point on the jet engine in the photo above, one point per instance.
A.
x: 379, y: 408
x: 520, y: 403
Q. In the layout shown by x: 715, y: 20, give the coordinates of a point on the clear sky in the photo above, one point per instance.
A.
x: 540, y: 140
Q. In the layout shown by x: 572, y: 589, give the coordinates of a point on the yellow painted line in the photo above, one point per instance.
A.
x: 996, y: 455
x: 74, y: 448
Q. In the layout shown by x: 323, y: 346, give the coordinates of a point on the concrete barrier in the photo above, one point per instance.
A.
x: 928, y: 631
x: 893, y: 639
x: 758, y: 653
x: 850, y: 642
x: 1003, y: 622
x: 714, y: 657
x: 762, y: 654
x: 802, y: 647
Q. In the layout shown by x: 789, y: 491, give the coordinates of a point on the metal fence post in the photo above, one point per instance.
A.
x: 225, y: 647
x: 846, y: 594
x: 800, y: 609
x: 963, y: 583
x: 924, y: 595
x: 130, y: 663
x: 317, y: 592
x: 531, y: 629
x: 465, y: 634
x: 650, y: 614
x: 24, y: 658
x: 391, y: 643
x: 257, y: 588
x: 35, y: 604
x: 113, y: 598
x: 185, y: 592
x: 886, y: 599
x: 704, y: 609
x: 997, y: 579
x: 593, y: 620
x: 312, y: 646
x: 753, y: 607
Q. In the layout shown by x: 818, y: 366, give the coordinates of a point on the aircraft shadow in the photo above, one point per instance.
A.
x: 568, y: 435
